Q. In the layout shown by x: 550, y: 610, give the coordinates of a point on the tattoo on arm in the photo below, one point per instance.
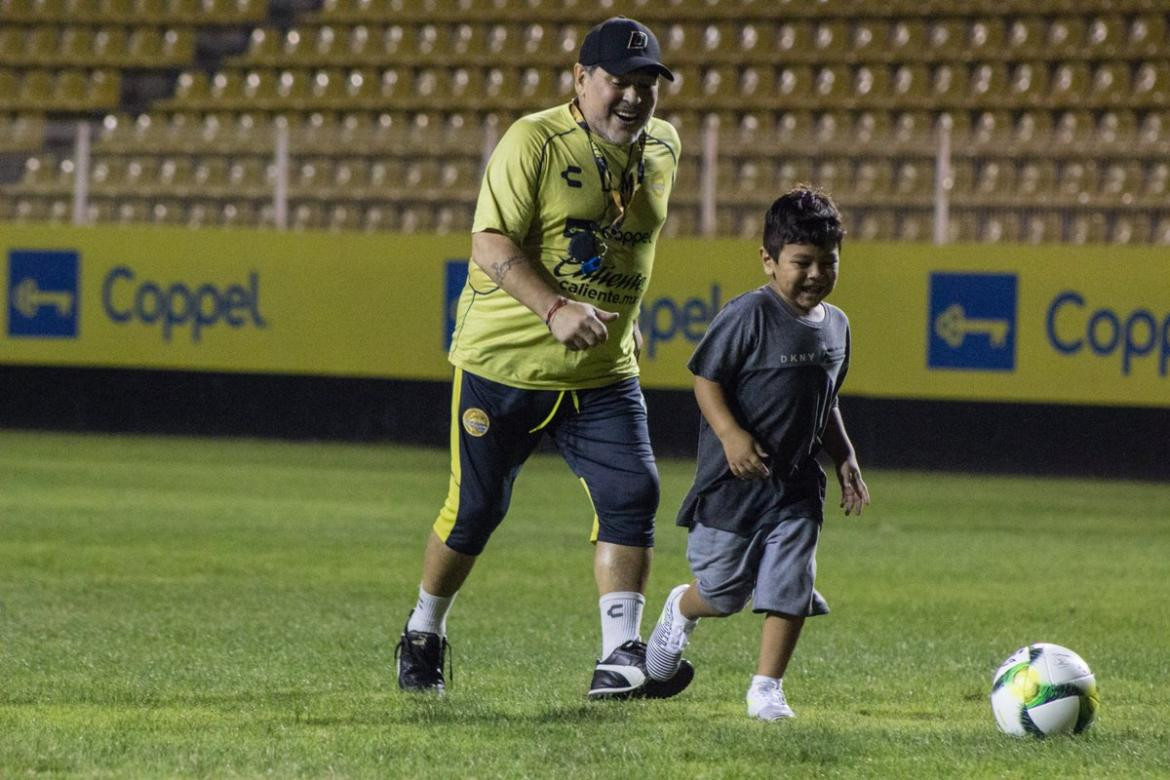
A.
x: 500, y: 269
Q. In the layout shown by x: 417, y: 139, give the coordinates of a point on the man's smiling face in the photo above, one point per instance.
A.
x: 617, y: 108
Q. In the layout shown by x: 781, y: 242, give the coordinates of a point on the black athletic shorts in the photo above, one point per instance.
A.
x: 601, y: 433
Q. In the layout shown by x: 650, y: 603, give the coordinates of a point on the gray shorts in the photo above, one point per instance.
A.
x: 775, y: 567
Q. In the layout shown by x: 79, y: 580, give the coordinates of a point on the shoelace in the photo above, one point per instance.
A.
x: 446, y: 653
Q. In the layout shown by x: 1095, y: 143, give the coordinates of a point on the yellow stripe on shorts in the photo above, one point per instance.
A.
x: 596, y: 520
x: 450, y: 510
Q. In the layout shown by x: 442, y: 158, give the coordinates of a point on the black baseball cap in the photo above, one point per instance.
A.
x: 621, y: 45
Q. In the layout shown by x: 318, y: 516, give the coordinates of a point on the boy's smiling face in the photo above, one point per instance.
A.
x: 803, y: 274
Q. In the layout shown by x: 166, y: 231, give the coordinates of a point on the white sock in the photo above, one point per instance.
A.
x: 430, y: 613
x: 759, y: 679
x: 677, y: 616
x: 621, y: 618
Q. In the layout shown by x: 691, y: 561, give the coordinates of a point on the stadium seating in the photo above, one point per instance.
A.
x: 1058, y: 110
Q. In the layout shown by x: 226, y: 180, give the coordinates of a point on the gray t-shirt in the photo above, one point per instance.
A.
x: 781, y: 374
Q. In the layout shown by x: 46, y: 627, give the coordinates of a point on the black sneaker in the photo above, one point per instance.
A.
x: 623, y: 676
x: 420, y: 656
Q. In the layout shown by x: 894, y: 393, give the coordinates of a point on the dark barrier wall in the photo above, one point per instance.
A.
x: 1122, y: 442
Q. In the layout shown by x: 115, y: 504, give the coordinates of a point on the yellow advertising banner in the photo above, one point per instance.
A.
x: 1057, y: 324
x: 1052, y: 324
x: 227, y: 300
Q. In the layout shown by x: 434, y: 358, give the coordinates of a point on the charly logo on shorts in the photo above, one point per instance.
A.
x: 475, y: 422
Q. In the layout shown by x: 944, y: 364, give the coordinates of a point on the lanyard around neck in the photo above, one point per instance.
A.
x: 627, y: 185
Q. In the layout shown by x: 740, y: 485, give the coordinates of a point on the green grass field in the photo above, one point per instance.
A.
x: 189, y: 607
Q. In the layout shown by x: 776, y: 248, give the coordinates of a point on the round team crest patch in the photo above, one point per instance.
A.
x: 475, y: 421
x: 657, y: 184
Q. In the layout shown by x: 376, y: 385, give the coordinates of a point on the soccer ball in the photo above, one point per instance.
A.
x: 1043, y: 689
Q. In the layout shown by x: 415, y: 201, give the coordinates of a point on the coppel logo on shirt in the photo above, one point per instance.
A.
x: 972, y: 321
x: 42, y: 293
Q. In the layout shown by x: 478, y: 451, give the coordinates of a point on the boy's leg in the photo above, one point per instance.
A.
x: 765, y: 696
x: 778, y: 641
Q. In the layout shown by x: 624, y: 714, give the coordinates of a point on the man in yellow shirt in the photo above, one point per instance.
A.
x: 546, y: 341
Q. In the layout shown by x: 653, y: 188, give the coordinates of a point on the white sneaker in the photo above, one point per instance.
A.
x: 664, y: 650
x: 765, y: 701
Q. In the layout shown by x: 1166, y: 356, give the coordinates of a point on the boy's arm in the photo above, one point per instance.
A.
x: 744, y: 454
x: 854, y: 493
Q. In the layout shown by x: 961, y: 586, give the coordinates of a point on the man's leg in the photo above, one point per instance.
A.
x: 490, y: 439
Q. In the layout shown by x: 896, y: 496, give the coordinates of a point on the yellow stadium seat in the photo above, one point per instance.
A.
x: 834, y: 175
x: 868, y: 38
x: 1105, y: 36
x: 1067, y: 36
x: 10, y: 87
x: 361, y: 44
x: 1043, y: 227
x: 985, y: 37
x: 873, y: 225
x: 76, y: 46
x: 872, y: 179
x: 1001, y: 227
x: 1069, y: 83
x: 913, y: 180
x: 1028, y: 83
x: 794, y: 129
x: 416, y: 218
x: 789, y: 172
x: 906, y: 38
x: 871, y: 129
x: 1032, y: 130
x: 1153, y: 131
x: 1073, y: 130
x: 1111, y: 83
x: 1090, y: 228
x: 1161, y: 232
x: 911, y: 85
x: 832, y: 85
x: 962, y: 178
x: 756, y: 85
x: 1026, y: 37
x: 945, y: 37
x: 1116, y: 129
x: 37, y: 90
x: 1036, y: 182
x: 111, y: 47
x: 830, y: 35
x: 1130, y: 229
x: 106, y: 174
x: 871, y: 85
x: 991, y: 130
x: 913, y: 226
x: 686, y: 89
x: 1147, y: 35
x: 995, y: 178
x: 793, y: 38
x: 192, y: 89
x: 752, y: 43
x: 832, y: 128
x: 988, y: 83
x: 263, y: 47
x: 41, y: 45
x: 678, y: 41
x: 913, y: 130
x: 1155, y: 186
x: 1151, y: 83
x: 385, y: 178
x: 1121, y: 181
x: 1077, y: 180
x: 102, y: 89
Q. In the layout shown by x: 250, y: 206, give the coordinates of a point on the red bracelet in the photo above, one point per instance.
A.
x: 560, y: 301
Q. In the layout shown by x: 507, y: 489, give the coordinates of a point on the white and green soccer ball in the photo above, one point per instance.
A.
x: 1044, y: 689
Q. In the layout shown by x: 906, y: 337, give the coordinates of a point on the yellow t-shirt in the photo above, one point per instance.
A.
x: 542, y: 185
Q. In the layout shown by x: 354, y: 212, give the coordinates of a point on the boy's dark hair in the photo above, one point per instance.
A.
x: 804, y: 215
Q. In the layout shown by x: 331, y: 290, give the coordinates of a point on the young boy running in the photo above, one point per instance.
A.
x: 767, y: 374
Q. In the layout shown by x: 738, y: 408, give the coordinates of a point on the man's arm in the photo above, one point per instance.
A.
x: 576, y: 325
x: 745, y: 456
x: 854, y: 493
